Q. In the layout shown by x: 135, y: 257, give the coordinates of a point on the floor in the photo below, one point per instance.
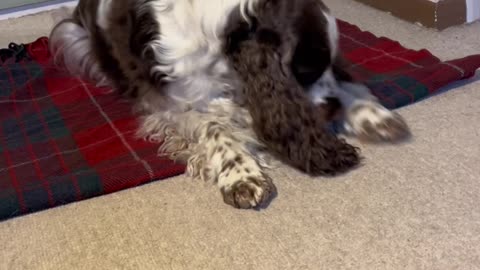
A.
x: 414, y: 206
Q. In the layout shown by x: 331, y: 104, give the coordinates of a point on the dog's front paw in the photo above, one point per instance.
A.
x: 249, y: 192
x: 372, y: 122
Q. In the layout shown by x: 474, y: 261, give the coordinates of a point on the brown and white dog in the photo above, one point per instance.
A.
x: 172, y: 57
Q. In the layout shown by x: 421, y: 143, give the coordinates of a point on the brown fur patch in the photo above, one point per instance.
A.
x: 119, y: 49
x: 287, y: 122
x: 239, y: 159
x: 227, y: 165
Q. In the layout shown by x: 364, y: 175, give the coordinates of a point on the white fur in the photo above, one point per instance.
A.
x: 71, y: 48
x: 326, y: 86
x: 190, y: 52
x: 185, y: 138
x: 201, y: 91
x: 351, y: 95
x: 372, y: 112
x: 332, y: 30
x: 360, y: 105
x: 103, y: 13
x: 189, y: 47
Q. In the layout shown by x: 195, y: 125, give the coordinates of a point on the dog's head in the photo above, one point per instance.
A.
x: 301, y: 31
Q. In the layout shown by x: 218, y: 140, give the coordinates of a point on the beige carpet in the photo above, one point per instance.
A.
x: 415, y: 206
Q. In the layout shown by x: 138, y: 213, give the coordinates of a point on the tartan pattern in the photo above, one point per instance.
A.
x: 396, y: 75
x: 63, y: 140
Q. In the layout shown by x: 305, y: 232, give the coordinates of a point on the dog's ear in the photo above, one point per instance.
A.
x: 283, y: 42
x: 312, y: 56
x: 268, y: 37
x: 238, y: 30
x: 235, y: 36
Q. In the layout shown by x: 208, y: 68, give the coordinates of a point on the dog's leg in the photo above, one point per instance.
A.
x: 367, y: 119
x: 241, y: 180
x: 213, y: 152
x: 364, y: 117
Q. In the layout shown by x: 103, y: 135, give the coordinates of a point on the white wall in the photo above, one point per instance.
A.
x: 35, y: 8
x: 473, y: 10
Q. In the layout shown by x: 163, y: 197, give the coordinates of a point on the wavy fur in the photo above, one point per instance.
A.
x: 171, y: 57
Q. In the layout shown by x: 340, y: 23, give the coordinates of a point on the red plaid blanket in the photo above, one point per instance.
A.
x: 63, y: 140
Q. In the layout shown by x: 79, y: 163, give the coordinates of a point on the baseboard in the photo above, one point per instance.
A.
x: 12, y: 13
x: 440, y: 14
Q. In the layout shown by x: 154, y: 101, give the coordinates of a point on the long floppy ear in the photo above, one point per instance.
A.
x: 284, y: 44
x: 313, y: 54
x: 238, y: 30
